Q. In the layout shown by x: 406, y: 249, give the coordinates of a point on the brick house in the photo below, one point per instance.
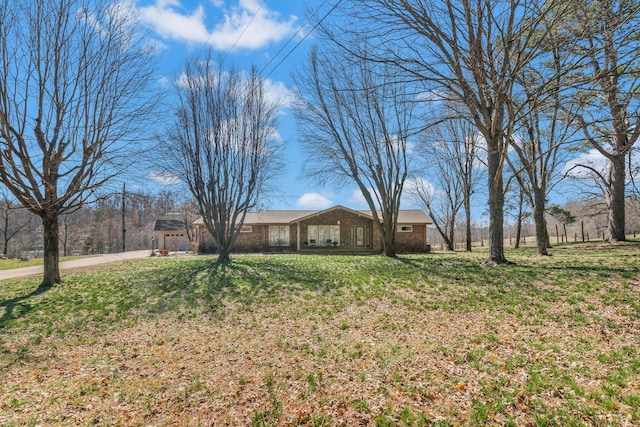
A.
x: 334, y: 230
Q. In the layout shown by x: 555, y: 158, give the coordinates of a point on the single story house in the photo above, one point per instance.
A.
x: 171, y: 234
x: 337, y: 229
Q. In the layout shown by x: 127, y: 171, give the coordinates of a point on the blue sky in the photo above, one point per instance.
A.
x: 275, y: 36
x: 246, y: 32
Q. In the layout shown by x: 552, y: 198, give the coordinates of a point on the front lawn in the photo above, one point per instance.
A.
x: 8, y: 264
x: 436, y: 339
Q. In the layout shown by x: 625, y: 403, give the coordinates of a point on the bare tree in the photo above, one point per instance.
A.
x: 450, y: 157
x: 544, y: 132
x: 355, y: 123
x: 472, y: 51
x: 12, y: 224
x: 224, y: 145
x: 73, y: 80
x: 442, y: 204
x: 607, y: 85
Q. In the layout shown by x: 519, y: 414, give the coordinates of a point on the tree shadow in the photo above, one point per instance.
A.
x: 19, y: 304
x: 248, y: 278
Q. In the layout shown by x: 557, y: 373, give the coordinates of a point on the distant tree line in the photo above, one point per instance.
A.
x: 96, y: 227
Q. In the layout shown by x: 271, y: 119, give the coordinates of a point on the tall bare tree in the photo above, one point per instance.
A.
x: 473, y: 50
x: 224, y: 145
x: 545, y: 130
x: 607, y: 87
x: 73, y: 83
x: 450, y: 157
x: 355, y: 122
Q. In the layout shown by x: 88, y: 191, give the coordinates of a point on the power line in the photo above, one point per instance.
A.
x: 260, y: 6
x: 290, y: 38
x: 300, y: 41
x: 247, y: 26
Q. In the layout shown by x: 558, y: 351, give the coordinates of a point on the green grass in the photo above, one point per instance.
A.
x: 8, y: 264
x: 406, y: 333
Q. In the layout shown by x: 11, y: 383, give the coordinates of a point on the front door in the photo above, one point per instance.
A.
x: 360, y: 236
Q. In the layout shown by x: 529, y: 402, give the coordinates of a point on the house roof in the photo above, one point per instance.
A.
x: 314, y: 213
x: 413, y: 216
x: 409, y: 216
x: 169, y: 225
x: 276, y: 217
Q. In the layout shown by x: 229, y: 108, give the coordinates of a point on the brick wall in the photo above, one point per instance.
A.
x: 414, y: 241
x: 246, y: 242
x: 345, y: 219
x: 257, y: 240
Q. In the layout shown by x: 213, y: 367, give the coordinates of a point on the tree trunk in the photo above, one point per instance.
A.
x: 467, y: 213
x: 496, y: 203
x: 518, y: 232
x: 51, y: 252
x: 451, y: 238
x: 224, y: 255
x: 6, y: 233
x: 616, y: 207
x: 540, y: 222
x: 388, y: 236
x: 390, y: 245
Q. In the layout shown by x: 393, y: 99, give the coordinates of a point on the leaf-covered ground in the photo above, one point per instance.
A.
x: 436, y: 339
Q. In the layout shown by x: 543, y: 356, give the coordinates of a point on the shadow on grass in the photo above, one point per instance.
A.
x: 247, y: 278
x: 19, y: 304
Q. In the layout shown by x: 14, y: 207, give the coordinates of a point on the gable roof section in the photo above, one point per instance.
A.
x: 315, y: 213
x: 169, y: 225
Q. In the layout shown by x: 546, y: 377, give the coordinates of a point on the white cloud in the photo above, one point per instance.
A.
x: 164, y: 81
x: 171, y: 24
x: 413, y: 187
x: 357, y: 200
x: 164, y: 178
x: 592, y: 159
x: 278, y: 93
x: 313, y: 201
x: 249, y: 25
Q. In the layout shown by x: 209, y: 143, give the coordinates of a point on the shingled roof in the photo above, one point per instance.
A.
x: 409, y: 216
x: 169, y: 225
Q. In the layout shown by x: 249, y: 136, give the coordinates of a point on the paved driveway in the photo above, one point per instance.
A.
x: 83, y: 262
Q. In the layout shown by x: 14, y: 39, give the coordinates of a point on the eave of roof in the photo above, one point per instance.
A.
x: 169, y: 225
x: 405, y: 216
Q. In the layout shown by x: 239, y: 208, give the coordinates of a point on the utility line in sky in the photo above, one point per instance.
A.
x: 300, y: 41
x: 247, y: 26
x: 253, y: 16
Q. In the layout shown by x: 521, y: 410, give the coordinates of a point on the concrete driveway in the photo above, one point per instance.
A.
x: 84, y: 262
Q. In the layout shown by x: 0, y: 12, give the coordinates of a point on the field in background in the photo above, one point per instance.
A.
x: 435, y: 339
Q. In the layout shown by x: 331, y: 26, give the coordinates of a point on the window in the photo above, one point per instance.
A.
x: 278, y: 235
x: 246, y: 229
x: 406, y: 228
x: 323, y: 235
